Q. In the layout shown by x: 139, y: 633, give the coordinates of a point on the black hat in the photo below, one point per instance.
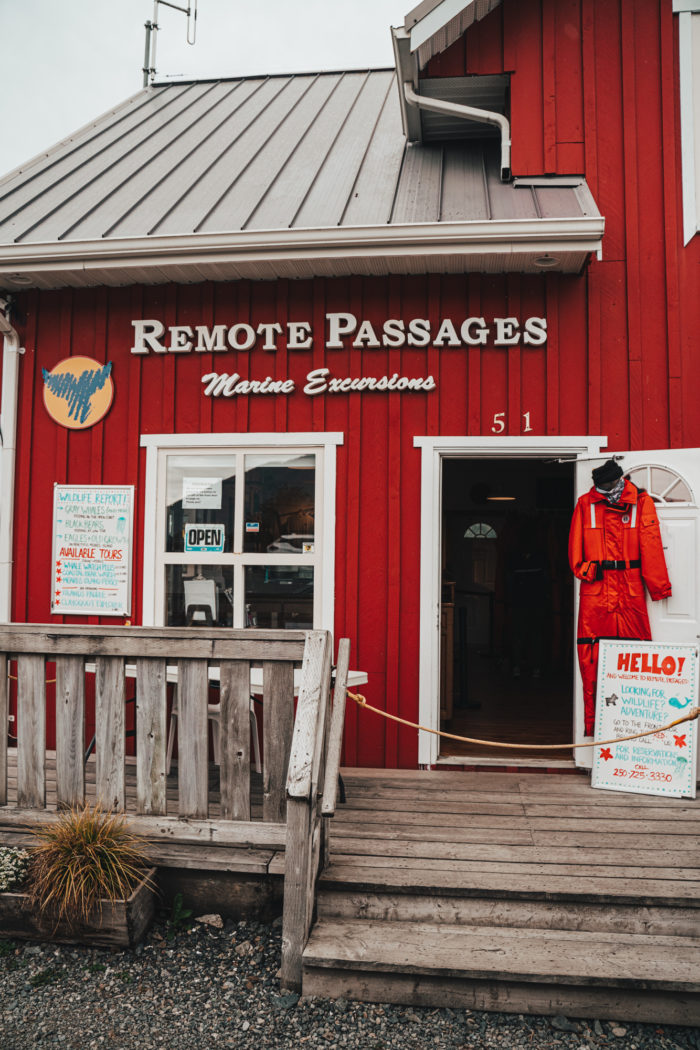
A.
x: 610, y: 471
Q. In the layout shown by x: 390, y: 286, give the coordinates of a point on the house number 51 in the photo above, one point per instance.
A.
x: 499, y: 423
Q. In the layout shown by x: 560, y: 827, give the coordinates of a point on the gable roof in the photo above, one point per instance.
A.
x: 299, y: 175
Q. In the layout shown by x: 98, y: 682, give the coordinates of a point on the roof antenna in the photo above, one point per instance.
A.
x: 152, y: 27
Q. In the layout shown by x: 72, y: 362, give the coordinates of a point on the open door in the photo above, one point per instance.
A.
x: 672, y: 478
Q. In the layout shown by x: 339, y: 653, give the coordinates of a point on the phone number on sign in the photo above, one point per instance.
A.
x: 641, y: 774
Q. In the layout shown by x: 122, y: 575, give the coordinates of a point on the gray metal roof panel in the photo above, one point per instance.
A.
x: 244, y: 156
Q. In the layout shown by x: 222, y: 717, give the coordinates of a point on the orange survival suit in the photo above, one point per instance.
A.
x: 614, y: 549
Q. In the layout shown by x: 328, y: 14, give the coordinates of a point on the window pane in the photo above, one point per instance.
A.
x: 198, y: 595
x: 279, y: 596
x: 201, y: 490
x: 279, y: 504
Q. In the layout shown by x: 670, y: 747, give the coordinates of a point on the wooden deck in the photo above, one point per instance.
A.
x: 523, y: 893
x: 513, y: 892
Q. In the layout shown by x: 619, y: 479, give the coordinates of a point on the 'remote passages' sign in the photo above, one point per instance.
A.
x: 642, y: 685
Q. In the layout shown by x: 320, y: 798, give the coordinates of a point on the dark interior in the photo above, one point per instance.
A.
x: 507, y: 644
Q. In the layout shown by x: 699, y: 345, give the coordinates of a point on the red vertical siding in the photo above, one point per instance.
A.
x: 594, y: 90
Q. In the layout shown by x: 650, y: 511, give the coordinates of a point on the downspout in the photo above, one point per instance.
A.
x: 8, y: 435
x: 456, y: 109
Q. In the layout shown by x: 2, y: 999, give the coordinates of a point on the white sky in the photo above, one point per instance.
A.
x: 64, y: 62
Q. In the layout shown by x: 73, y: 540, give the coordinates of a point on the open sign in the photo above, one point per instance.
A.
x: 204, y: 538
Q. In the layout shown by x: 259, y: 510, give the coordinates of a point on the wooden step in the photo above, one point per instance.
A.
x: 626, y: 975
x: 525, y: 914
x: 468, y: 879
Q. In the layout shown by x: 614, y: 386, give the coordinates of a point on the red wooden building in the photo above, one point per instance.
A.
x: 369, y: 329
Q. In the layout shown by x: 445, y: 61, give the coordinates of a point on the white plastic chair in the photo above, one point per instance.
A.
x: 214, y: 716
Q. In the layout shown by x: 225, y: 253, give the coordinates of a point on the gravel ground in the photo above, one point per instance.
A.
x: 205, y: 987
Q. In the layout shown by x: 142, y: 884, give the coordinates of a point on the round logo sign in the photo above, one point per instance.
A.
x: 78, y: 392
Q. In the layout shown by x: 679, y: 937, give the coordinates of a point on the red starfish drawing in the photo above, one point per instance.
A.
x: 679, y: 741
x: 605, y: 753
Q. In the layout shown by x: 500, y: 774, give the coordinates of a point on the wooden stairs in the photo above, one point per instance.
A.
x: 592, y: 914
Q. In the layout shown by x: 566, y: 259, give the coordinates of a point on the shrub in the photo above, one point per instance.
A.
x: 13, y: 867
x: 83, y: 858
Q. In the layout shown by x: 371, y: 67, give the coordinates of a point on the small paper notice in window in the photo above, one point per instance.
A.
x: 201, y: 493
x: 252, y: 526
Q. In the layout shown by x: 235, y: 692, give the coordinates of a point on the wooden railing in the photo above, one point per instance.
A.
x: 292, y: 786
x: 313, y: 774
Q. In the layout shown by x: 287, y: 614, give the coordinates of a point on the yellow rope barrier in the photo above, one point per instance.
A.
x: 362, y: 702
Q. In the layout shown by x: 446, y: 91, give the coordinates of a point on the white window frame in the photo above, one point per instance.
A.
x: 433, y: 451
x: 155, y: 557
x: 688, y: 12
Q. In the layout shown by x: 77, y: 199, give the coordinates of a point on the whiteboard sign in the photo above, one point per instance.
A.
x: 91, y: 561
x: 642, y: 685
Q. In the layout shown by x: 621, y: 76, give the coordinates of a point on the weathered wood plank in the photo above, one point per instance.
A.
x: 110, y: 749
x: 301, y: 763
x: 4, y: 722
x: 70, y: 730
x: 575, y: 812
x: 513, y: 884
x: 296, y: 881
x: 278, y: 727
x: 507, y: 997
x: 564, y: 956
x: 133, y: 642
x: 210, y: 858
x: 530, y: 914
x: 584, y: 867
x: 398, y: 833
x: 151, y: 689
x: 192, y: 699
x: 319, y: 760
x: 31, y: 731
x: 485, y: 851
x: 234, y: 676
x: 337, y: 725
x: 428, y: 817
x: 257, y: 834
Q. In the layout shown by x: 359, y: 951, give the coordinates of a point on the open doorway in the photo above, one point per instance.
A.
x: 507, y: 639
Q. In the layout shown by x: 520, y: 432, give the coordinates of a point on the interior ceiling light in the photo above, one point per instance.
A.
x: 19, y: 278
x: 546, y: 262
x: 500, y: 499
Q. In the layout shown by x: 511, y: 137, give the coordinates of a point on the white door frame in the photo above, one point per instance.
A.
x: 433, y: 451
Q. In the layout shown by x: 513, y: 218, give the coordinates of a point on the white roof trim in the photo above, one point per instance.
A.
x: 280, y: 247
x: 433, y: 21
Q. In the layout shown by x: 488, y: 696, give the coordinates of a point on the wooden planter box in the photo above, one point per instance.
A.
x: 121, y: 924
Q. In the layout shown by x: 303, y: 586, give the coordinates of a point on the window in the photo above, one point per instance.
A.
x: 689, y: 64
x: 240, y: 535
x: 480, y: 531
x: 662, y: 484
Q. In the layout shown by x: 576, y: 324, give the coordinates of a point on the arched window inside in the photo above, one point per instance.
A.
x: 480, y: 531
x: 664, y: 486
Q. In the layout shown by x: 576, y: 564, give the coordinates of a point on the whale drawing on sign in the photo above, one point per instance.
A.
x: 78, y: 391
x: 675, y: 702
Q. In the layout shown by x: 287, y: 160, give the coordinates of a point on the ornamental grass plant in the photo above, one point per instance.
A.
x: 84, y: 857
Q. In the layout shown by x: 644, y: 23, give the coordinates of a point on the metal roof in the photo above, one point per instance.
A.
x: 270, y: 176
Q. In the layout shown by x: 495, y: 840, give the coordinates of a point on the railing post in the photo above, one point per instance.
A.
x: 303, y: 837
x: 4, y: 723
x: 31, y: 732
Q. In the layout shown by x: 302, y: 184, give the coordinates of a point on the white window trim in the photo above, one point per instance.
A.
x: 326, y: 443
x: 434, y: 450
x: 685, y: 9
